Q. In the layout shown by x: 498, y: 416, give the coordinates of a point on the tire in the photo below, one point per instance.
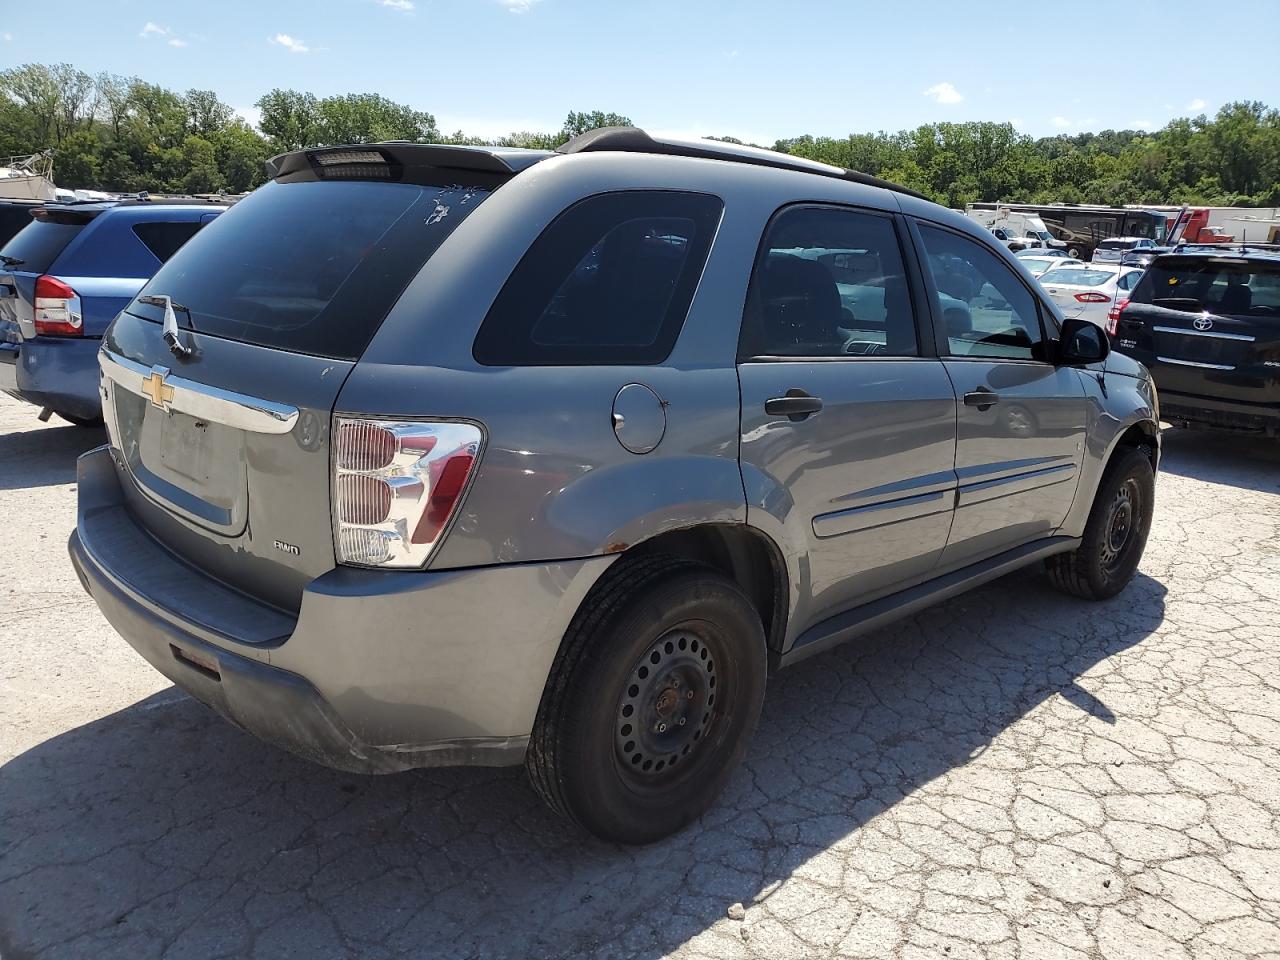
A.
x: 1074, y: 252
x: 651, y: 701
x: 1116, y: 533
x: 87, y: 422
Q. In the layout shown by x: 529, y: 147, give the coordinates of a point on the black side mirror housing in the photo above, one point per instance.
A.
x: 1082, y: 343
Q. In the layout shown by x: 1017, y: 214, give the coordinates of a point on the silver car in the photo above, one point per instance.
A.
x: 428, y: 455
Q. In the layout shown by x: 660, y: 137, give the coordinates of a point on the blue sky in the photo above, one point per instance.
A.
x: 755, y: 69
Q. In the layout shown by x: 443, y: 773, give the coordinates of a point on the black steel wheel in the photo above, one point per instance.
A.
x: 667, y: 706
x: 1116, y: 533
x: 651, y: 701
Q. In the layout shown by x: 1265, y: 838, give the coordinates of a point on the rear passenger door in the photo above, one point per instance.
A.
x: 1020, y: 419
x: 848, y: 419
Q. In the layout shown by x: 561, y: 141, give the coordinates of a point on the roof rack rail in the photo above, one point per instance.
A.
x: 1235, y: 246
x: 635, y: 140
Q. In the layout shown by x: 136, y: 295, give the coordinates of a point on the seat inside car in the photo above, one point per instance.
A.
x: 800, y: 303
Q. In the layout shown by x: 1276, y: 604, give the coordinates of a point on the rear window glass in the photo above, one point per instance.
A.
x: 1116, y: 244
x: 164, y: 239
x: 38, y: 244
x: 1078, y: 278
x: 310, y: 267
x: 609, y: 282
x: 1232, y: 287
x: 13, y: 217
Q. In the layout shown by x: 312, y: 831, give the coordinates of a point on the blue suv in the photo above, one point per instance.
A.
x: 64, y: 277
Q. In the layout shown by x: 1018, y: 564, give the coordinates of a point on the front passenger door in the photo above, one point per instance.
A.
x: 1020, y: 420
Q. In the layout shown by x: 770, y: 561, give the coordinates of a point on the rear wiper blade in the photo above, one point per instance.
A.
x: 176, y: 346
x: 11, y: 261
x: 162, y: 301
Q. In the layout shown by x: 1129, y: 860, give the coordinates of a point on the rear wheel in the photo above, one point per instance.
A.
x: 651, y: 702
x: 1075, y: 253
x: 1116, y: 533
x: 87, y: 422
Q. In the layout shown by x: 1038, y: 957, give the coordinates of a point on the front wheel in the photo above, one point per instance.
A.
x: 1116, y: 533
x: 652, y: 701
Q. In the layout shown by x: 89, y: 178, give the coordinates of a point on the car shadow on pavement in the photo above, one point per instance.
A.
x: 1234, y: 459
x: 45, y: 457
x: 161, y: 830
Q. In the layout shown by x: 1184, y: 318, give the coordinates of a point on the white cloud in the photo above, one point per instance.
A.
x: 1015, y: 121
x: 405, y: 5
x: 150, y: 30
x: 519, y: 6
x: 292, y: 44
x: 1141, y: 124
x: 1196, y: 105
x: 944, y: 93
x: 1060, y: 122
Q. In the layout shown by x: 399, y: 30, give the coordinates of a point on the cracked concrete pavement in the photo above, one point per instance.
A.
x: 1011, y: 774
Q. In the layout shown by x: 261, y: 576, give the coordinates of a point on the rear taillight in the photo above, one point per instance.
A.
x: 1092, y: 298
x: 397, y: 484
x: 1113, y: 316
x: 57, y: 309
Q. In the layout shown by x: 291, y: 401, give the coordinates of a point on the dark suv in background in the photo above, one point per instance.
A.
x: 64, y: 277
x: 1206, y: 322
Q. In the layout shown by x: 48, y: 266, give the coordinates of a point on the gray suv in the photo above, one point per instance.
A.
x: 427, y: 455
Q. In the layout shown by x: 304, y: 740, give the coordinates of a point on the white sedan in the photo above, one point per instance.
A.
x: 1090, y: 290
x: 1042, y: 265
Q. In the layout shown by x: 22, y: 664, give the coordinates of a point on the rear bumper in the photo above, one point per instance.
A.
x: 59, y: 373
x: 378, y: 672
x: 1222, y: 414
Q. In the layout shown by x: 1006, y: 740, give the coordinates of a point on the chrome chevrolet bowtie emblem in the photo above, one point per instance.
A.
x: 1202, y: 323
x: 157, y: 391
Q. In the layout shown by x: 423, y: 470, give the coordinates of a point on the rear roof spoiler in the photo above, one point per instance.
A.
x: 407, y: 154
x: 635, y: 140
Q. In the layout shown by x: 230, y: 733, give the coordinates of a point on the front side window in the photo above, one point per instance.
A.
x: 829, y: 282
x: 984, y: 308
x: 608, y: 282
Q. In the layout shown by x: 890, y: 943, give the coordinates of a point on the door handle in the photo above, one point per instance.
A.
x: 981, y: 398
x: 795, y: 406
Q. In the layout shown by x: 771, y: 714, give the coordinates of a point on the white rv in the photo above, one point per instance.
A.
x: 1016, y: 230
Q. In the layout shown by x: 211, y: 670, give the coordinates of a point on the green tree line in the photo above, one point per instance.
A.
x: 117, y: 133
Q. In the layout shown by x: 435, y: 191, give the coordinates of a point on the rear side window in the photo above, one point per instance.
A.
x: 310, y: 267
x: 829, y: 283
x: 38, y: 244
x: 164, y: 239
x: 1232, y: 287
x: 608, y: 282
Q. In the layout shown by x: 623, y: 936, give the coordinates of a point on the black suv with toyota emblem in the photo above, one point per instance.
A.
x: 1205, y: 320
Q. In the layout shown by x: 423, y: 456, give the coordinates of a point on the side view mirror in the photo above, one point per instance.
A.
x: 1082, y: 343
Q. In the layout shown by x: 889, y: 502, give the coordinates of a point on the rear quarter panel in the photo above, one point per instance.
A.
x: 553, y: 481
